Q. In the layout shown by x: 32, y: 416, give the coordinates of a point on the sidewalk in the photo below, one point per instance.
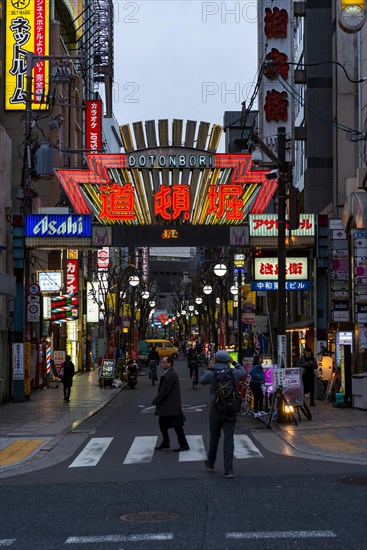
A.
x: 40, y: 423
x: 334, y: 433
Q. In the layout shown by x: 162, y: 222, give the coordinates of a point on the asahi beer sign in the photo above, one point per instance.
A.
x: 58, y: 225
x: 339, y: 272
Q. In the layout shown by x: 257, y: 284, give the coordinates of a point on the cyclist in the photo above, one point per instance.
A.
x: 153, y: 362
x: 193, y: 364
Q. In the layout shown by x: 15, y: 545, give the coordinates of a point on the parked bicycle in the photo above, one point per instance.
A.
x: 246, y: 398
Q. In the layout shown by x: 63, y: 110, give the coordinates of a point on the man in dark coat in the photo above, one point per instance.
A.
x: 168, y: 406
x: 67, y: 377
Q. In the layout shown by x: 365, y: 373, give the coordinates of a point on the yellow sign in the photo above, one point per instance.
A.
x: 27, y: 31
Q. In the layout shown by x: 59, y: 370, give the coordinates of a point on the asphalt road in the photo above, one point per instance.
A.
x: 169, y: 501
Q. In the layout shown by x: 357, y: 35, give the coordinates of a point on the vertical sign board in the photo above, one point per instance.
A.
x: 72, y: 276
x: 359, y: 239
x: 18, y: 362
x: 338, y: 272
x: 27, y: 369
x: 93, y: 126
x: 275, y: 32
x: 27, y: 30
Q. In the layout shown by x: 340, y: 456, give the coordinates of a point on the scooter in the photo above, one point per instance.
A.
x: 132, y: 375
x: 153, y: 371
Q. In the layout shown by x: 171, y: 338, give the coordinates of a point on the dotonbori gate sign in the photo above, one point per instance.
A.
x: 155, y: 183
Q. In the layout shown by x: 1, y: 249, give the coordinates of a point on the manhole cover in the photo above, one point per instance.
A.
x: 149, y: 517
x: 353, y: 480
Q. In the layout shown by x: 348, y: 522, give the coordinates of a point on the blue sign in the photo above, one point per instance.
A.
x: 273, y: 285
x: 58, y: 225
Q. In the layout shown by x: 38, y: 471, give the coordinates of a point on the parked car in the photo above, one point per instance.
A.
x: 165, y: 348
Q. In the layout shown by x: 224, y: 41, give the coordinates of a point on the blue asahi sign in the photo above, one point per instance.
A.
x: 58, y: 225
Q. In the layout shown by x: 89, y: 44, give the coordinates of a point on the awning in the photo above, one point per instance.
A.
x: 355, y: 211
x: 306, y: 324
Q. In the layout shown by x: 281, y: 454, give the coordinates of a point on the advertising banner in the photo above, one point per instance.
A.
x: 266, y: 269
x: 93, y: 126
x: 18, y: 361
x: 72, y: 276
x: 359, y: 237
x: 338, y: 272
x: 27, y: 30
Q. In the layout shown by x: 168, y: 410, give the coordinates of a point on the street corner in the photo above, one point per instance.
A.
x: 14, y: 452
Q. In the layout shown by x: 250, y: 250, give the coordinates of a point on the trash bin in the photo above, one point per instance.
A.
x: 359, y: 390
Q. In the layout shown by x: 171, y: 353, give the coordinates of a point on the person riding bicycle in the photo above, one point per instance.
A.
x: 153, y: 361
x: 193, y: 364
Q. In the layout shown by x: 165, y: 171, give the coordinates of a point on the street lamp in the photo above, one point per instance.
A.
x: 220, y: 270
x: 133, y: 282
x: 145, y: 295
x: 207, y: 289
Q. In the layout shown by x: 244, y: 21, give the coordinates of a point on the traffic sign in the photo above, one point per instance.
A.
x: 34, y: 289
x: 33, y: 312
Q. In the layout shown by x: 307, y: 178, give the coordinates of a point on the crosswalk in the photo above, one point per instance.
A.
x: 142, y: 450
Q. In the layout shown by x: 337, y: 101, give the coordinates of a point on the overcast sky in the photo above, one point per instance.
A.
x: 183, y: 59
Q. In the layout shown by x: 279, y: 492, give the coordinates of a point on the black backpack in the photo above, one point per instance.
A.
x: 227, y: 400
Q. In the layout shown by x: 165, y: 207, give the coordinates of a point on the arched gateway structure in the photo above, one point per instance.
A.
x: 171, y: 183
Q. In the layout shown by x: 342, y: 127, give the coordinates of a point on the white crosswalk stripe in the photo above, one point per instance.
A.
x: 142, y: 450
x: 92, y: 453
x: 197, y: 450
x: 244, y: 447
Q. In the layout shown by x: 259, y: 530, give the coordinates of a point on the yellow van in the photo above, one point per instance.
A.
x: 165, y: 348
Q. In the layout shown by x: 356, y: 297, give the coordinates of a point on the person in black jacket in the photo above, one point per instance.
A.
x: 168, y: 407
x: 193, y: 364
x: 309, y: 365
x: 67, y: 377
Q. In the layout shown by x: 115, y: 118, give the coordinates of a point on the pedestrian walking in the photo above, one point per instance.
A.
x: 256, y: 383
x: 66, y: 375
x: 220, y: 367
x: 168, y: 407
x: 309, y: 365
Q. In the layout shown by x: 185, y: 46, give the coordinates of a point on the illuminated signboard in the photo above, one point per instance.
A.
x: 50, y: 281
x: 72, y: 276
x: 27, y: 30
x: 266, y: 225
x: 58, y: 225
x: 266, y: 269
x: 93, y: 126
x: 155, y: 183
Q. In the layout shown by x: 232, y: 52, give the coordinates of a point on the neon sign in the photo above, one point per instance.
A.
x: 58, y: 225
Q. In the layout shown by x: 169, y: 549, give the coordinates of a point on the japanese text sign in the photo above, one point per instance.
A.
x: 93, y: 126
x: 266, y: 225
x: 266, y: 269
x: 72, y: 276
x: 27, y: 30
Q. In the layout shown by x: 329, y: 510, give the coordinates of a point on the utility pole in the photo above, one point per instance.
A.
x: 282, y: 292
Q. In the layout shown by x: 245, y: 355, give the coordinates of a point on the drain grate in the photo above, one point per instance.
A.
x: 353, y: 480
x: 149, y: 517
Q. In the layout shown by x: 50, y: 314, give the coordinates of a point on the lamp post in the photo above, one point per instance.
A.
x: 133, y: 282
x: 220, y: 270
x: 236, y: 290
x: 207, y: 289
x: 199, y: 301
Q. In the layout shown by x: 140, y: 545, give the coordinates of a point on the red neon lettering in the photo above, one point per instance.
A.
x: 117, y: 202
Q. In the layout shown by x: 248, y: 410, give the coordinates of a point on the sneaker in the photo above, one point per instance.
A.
x: 256, y: 415
x: 262, y: 413
x: 228, y: 474
x: 209, y: 467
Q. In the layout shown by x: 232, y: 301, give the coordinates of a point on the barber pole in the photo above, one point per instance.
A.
x: 48, y: 360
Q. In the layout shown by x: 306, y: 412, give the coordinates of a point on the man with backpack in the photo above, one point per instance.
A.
x: 223, y: 374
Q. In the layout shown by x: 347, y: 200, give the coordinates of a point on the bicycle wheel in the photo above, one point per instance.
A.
x: 245, y: 406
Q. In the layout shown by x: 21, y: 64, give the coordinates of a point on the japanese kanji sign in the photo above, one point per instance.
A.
x: 266, y: 269
x: 27, y: 30
x: 276, y: 48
